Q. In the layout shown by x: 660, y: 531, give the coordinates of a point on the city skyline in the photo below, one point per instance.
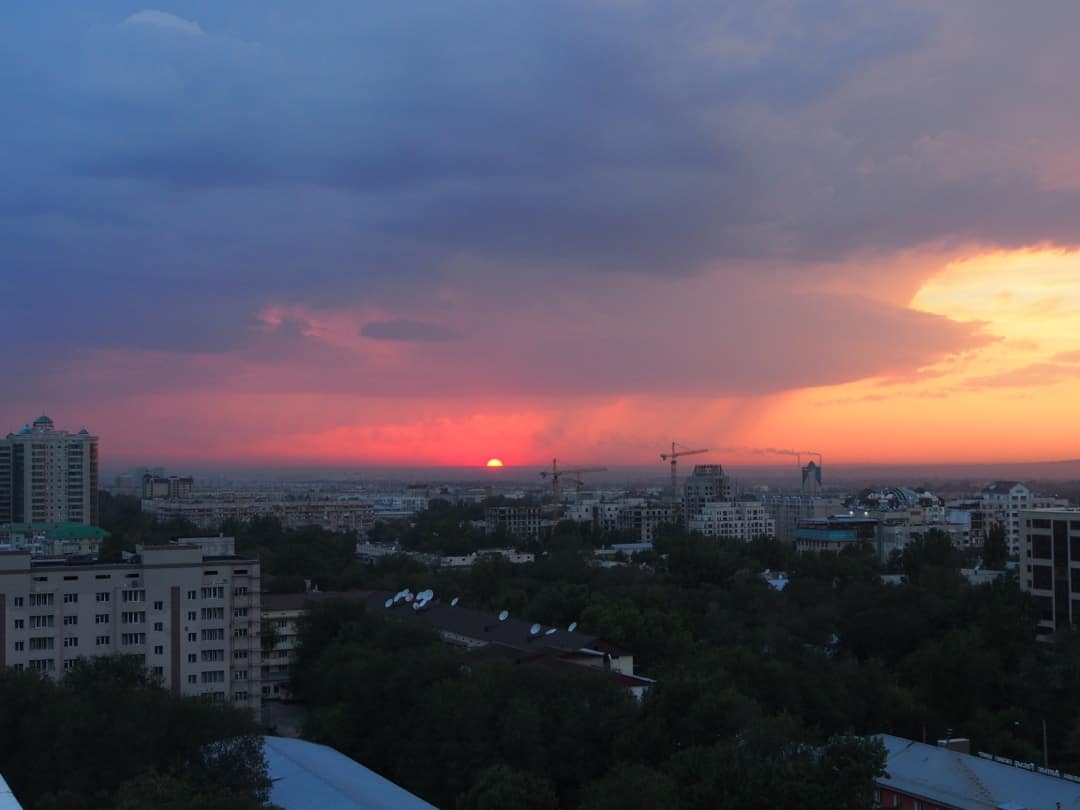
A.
x: 253, y: 234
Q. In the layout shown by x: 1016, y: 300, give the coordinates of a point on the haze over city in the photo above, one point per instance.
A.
x: 247, y: 233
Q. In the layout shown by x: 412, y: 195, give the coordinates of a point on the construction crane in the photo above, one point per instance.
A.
x: 677, y: 451
x: 556, y: 473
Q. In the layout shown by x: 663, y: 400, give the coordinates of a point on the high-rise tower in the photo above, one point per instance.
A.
x: 48, y: 475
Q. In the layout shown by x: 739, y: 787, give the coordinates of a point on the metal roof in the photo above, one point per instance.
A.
x: 968, y: 782
x: 7, y: 798
x: 309, y: 776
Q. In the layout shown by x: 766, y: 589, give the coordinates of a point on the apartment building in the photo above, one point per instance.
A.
x: 1050, y: 564
x: 738, y: 520
x: 519, y: 521
x: 1003, y: 501
x: 172, y: 487
x: 189, y: 610
x: 708, y: 483
x: 48, y: 475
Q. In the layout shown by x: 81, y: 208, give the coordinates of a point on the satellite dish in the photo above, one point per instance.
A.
x: 428, y: 594
x: 389, y: 603
x: 551, y: 632
x: 408, y: 597
x: 453, y: 602
x: 504, y: 615
x: 417, y: 605
x: 572, y: 627
x: 534, y: 630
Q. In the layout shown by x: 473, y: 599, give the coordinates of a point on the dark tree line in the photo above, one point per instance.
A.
x: 107, y: 735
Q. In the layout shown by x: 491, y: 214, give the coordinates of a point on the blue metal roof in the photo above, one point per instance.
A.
x: 7, y: 798
x: 309, y: 776
x: 969, y: 782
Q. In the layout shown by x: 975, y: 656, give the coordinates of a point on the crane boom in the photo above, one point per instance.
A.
x: 558, y: 472
x: 677, y: 451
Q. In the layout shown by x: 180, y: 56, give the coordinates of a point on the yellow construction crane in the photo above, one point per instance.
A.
x: 677, y: 451
x: 556, y: 473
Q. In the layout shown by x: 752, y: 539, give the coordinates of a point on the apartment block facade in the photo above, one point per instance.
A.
x: 737, y: 520
x: 1003, y: 501
x: 1050, y: 564
x: 48, y: 475
x: 190, y: 610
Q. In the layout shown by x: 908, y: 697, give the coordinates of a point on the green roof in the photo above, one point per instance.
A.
x: 56, y: 531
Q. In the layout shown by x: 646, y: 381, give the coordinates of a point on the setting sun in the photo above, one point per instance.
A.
x: 494, y: 462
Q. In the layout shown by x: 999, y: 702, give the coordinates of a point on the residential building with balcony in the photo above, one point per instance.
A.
x: 189, y: 610
x: 1050, y: 565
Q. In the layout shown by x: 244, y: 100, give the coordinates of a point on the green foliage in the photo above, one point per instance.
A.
x: 109, y: 723
x: 995, y: 549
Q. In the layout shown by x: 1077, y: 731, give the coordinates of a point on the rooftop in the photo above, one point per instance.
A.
x: 971, y: 782
x: 308, y: 776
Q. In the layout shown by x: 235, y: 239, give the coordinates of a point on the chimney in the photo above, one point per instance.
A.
x: 961, y: 745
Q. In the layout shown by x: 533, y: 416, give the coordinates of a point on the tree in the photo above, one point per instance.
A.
x: 499, y: 787
x: 995, y: 548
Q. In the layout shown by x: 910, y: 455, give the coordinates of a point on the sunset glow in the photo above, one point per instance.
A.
x: 757, y: 271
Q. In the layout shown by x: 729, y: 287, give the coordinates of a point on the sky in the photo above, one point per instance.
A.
x: 334, y: 233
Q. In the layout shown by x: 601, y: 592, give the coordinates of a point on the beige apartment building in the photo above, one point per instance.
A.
x: 190, y: 610
x: 1050, y: 565
x: 48, y: 475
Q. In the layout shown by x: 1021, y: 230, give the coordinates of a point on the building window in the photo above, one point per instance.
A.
x: 133, y: 617
x: 240, y: 613
x: 19, y: 646
x: 240, y: 654
x: 42, y: 664
x: 158, y: 671
x: 103, y: 641
x: 71, y: 598
x: 42, y: 643
x: 20, y: 623
x: 159, y: 626
x: 131, y: 639
x: 240, y: 632
x: 101, y: 618
x: 214, y: 676
x: 240, y: 675
x: 17, y: 601
x: 211, y: 614
x: 192, y: 678
x: 71, y: 641
x: 217, y: 592
x: 70, y: 620
x: 38, y: 622
x: 41, y: 600
x: 159, y: 605
x: 134, y: 595
x: 213, y: 635
x: 103, y: 596
x: 192, y: 594
x: 213, y: 655
x: 192, y: 658
x: 192, y: 637
x: 192, y: 616
x: 240, y: 591
x: 159, y: 649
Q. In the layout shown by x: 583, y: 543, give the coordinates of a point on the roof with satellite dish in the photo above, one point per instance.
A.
x: 308, y: 776
x: 480, y: 625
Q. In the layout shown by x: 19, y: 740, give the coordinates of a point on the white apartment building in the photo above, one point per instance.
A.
x: 189, y: 610
x: 1003, y: 501
x: 1050, y: 564
x: 48, y: 475
x: 738, y: 520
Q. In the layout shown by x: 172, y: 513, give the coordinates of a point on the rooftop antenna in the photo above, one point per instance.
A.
x: 572, y: 627
x: 504, y: 615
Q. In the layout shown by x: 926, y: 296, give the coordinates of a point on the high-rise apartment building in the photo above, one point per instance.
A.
x: 706, y: 484
x: 1050, y: 564
x: 1003, y: 501
x: 189, y: 610
x: 48, y: 475
x: 736, y: 520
